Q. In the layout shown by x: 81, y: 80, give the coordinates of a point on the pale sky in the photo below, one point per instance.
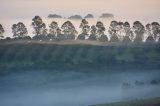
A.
x: 14, y: 11
x: 126, y: 8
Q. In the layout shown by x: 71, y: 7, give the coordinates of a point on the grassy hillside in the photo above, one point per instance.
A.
x: 33, y: 55
x: 147, y: 102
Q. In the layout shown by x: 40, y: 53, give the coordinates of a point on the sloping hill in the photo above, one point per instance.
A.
x: 146, y: 102
x: 63, y: 55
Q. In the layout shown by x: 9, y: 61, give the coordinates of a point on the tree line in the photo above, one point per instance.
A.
x: 117, y: 32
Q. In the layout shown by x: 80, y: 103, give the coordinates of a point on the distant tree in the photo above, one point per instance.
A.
x: 93, y: 35
x: 39, y: 26
x: 149, y: 36
x: 100, y: 32
x: 85, y: 29
x: 60, y: 36
x: 69, y: 30
x: 112, y: 31
x: 59, y: 31
x: 52, y: 31
x: 84, y: 26
x: 1, y: 31
x: 53, y: 28
x: 155, y: 30
x: 93, y: 29
x: 127, y: 27
x: 112, y: 28
x: 120, y: 32
x: 138, y: 30
x: 128, y: 32
x: 100, y: 28
x: 19, y: 30
x: 22, y: 30
x: 14, y: 30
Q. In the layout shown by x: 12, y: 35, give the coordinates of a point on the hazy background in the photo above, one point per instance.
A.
x: 129, y: 8
x: 13, y: 11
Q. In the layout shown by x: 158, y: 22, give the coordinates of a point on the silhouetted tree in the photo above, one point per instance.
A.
x: 69, y: 30
x: 1, y: 31
x: 60, y: 36
x: 22, y: 30
x: 128, y: 32
x: 52, y: 31
x: 120, y: 32
x: 100, y: 29
x: 14, y: 30
x: 93, y: 33
x: 100, y: 32
x: 39, y: 27
x: 155, y: 30
x: 148, y: 34
x: 19, y: 30
x: 85, y: 29
x: 53, y: 28
x: 112, y: 28
x: 138, y: 30
x: 112, y: 31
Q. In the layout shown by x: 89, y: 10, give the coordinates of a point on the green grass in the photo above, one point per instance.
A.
x: 144, y: 102
x: 79, y: 56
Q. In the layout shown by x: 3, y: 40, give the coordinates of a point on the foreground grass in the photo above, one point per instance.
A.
x: 146, y: 102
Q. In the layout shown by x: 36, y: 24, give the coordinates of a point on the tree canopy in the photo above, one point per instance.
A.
x: 39, y: 26
x: 19, y: 30
x: 1, y: 31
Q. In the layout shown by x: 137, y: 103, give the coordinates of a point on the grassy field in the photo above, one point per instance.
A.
x: 145, y: 102
x: 78, y: 55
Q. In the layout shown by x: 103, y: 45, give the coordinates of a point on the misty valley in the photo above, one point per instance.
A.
x: 80, y: 53
x: 76, y: 88
x: 77, y: 74
x: 80, y: 62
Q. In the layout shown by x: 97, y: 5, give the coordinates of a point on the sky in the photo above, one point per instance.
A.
x: 125, y: 8
x: 14, y: 11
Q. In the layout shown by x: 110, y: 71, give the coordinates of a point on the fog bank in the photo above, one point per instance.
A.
x: 54, y: 88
